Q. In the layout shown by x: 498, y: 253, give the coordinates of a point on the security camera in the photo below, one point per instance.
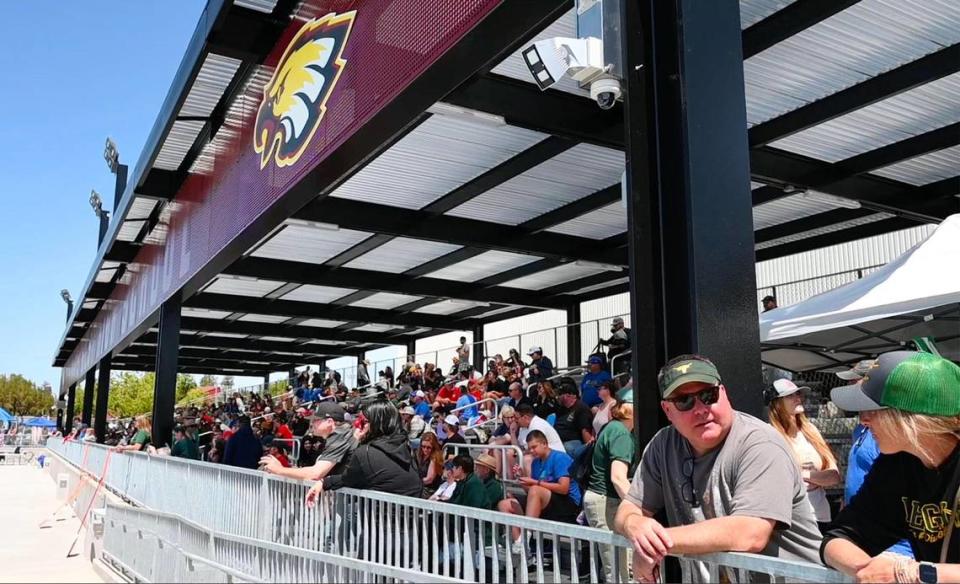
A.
x: 605, y: 92
x: 550, y: 59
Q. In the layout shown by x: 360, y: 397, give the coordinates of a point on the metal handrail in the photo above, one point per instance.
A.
x: 613, y: 359
x: 352, y: 522
x: 218, y: 543
x: 485, y: 447
x: 476, y: 404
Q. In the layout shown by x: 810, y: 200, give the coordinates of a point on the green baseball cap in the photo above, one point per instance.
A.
x: 686, y: 371
x: 919, y: 383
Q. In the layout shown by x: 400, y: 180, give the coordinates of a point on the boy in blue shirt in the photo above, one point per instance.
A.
x: 550, y: 492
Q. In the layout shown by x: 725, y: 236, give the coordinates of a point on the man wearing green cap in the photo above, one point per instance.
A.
x: 727, y: 481
x: 911, y: 403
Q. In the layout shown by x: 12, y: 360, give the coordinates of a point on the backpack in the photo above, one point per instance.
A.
x: 582, y: 466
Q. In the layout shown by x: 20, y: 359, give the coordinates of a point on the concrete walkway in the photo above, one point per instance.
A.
x: 28, y: 553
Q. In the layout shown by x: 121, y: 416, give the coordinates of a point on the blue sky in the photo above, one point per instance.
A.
x: 74, y: 73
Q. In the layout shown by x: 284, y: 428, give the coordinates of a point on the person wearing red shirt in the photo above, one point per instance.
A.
x: 447, y: 397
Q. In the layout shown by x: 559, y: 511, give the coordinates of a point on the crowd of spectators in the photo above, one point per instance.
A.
x: 713, y: 480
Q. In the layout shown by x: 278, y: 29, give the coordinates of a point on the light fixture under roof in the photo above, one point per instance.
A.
x: 314, y: 224
x: 466, y: 114
x: 818, y: 197
x: 599, y: 266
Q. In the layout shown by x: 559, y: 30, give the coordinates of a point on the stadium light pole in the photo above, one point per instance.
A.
x: 112, y: 157
x: 65, y: 294
x: 96, y: 203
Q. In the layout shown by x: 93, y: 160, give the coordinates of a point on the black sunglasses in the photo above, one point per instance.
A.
x: 707, y: 397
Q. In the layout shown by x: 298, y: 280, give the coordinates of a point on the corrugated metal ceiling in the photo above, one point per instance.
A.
x: 571, y: 175
x: 869, y: 38
x: 483, y: 265
x: 242, y: 287
x: 787, y: 209
x: 322, y: 323
x: 448, y: 307
x: 600, y: 224
x: 302, y: 243
x: 554, y: 276
x: 267, y: 318
x: 925, y: 169
x: 400, y: 254
x: 902, y: 116
x: 753, y: 11
x: 190, y: 312
x: 313, y: 293
x: 824, y: 230
x: 439, y: 155
x: 385, y: 300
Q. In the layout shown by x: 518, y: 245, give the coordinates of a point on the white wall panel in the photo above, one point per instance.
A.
x: 522, y: 332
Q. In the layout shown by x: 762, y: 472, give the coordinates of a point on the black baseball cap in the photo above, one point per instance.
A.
x: 329, y: 409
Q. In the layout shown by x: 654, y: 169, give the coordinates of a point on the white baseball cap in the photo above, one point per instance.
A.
x: 452, y: 420
x: 534, y: 349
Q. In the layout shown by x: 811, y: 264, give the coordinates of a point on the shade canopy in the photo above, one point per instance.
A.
x: 917, y: 295
x: 5, y: 416
x: 39, y: 423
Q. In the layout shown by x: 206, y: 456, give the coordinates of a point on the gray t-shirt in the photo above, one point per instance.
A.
x: 339, y: 448
x: 753, y: 474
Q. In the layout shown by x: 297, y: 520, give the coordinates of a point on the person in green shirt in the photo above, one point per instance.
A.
x: 141, y: 439
x: 184, y: 446
x: 609, y: 481
x: 470, y: 491
x: 486, y: 468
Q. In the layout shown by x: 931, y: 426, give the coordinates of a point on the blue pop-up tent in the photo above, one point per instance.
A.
x: 39, y: 423
x: 5, y: 417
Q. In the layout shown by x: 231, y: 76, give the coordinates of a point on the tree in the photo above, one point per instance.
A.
x: 208, y: 380
x: 227, y: 382
x: 131, y: 394
x: 184, y: 384
x: 22, y: 397
x: 278, y: 387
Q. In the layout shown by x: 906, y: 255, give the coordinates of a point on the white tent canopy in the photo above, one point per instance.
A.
x: 916, y: 295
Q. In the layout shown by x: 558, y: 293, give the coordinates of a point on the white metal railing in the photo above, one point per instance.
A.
x: 152, y: 546
x: 436, y: 538
x: 504, y: 463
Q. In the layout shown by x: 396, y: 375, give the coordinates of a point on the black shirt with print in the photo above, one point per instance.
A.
x: 903, y: 499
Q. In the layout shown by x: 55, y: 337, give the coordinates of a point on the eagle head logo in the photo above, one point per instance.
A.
x: 295, y: 99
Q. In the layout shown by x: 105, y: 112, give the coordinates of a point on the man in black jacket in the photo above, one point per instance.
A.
x: 382, y: 461
x: 243, y: 448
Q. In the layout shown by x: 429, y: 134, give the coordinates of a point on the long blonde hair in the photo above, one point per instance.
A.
x: 143, y: 423
x: 436, y: 455
x: 910, y: 428
x: 784, y: 420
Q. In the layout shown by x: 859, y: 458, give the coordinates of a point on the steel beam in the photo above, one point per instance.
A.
x: 165, y: 380
x: 787, y: 22
x: 688, y: 170
x: 103, y: 394
x: 71, y: 407
x: 88, y: 392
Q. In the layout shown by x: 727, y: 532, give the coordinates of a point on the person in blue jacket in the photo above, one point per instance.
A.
x: 590, y: 385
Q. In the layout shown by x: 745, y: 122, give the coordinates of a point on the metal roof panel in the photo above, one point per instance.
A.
x: 599, y: 224
x: 401, y: 254
x: 303, y: 243
x: 824, y: 230
x: 571, y: 175
x: 385, y: 300
x: 787, y: 209
x: 242, y: 286
x: 553, y: 276
x: 483, y: 265
x: 314, y: 293
x: 902, y: 116
x: 439, y: 155
x: 925, y: 169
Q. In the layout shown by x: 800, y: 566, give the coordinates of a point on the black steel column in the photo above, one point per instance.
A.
x: 103, y: 394
x: 120, y: 185
x: 266, y: 382
x: 689, y: 207
x: 71, y: 406
x: 411, y: 349
x: 61, y: 397
x: 574, y: 348
x: 479, y: 349
x: 165, y: 381
x: 88, y: 391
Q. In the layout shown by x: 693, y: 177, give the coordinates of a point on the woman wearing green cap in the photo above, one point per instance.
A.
x: 911, y: 403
